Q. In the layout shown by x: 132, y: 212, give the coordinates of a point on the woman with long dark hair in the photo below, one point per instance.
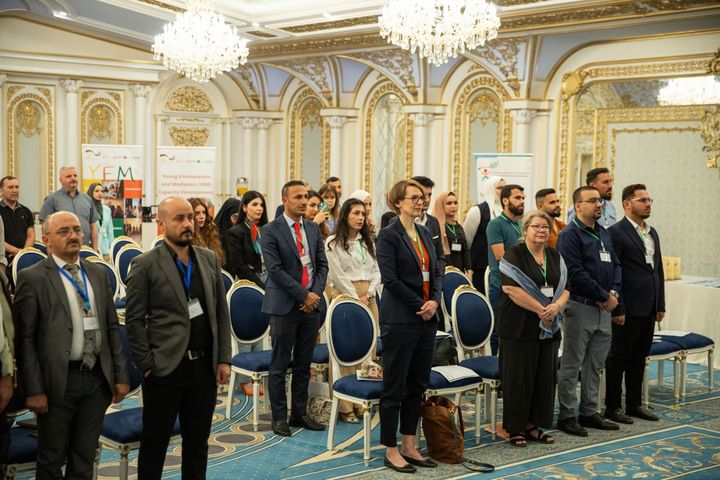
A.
x: 225, y: 219
x: 330, y: 196
x: 313, y: 213
x: 106, y: 235
x: 244, y: 259
x: 205, y: 234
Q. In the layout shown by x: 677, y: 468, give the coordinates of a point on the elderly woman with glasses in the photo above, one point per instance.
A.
x: 530, y: 314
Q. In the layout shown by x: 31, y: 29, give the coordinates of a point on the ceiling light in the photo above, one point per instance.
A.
x: 199, y: 44
x: 439, y: 29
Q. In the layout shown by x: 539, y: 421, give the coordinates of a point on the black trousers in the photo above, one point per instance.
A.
x: 293, y: 336
x: 190, y: 393
x: 71, y: 427
x: 528, y: 372
x: 630, y: 346
x: 407, y: 359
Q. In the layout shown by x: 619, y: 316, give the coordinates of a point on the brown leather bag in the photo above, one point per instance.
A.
x: 443, y: 426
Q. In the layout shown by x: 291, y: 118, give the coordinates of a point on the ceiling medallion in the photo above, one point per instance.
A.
x: 439, y: 29
x: 199, y: 44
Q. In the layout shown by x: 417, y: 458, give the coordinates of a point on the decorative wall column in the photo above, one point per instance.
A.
x: 336, y: 123
x: 420, y: 142
x: 521, y: 129
x: 151, y: 188
x: 72, y: 123
x: 140, y: 92
x: 229, y: 183
x: 263, y: 163
x: 3, y: 77
x: 246, y: 167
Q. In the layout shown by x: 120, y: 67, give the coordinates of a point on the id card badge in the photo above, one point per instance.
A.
x: 305, y: 259
x: 91, y: 323
x: 649, y: 260
x: 194, y: 308
x: 456, y: 247
x: 426, y: 276
x: 605, y: 256
x: 548, y: 291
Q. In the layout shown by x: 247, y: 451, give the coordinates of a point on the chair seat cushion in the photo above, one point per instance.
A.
x: 126, y: 426
x: 23, y: 446
x: 365, y: 389
x: 487, y: 367
x: 253, y: 361
x: 321, y: 354
x: 438, y: 382
x: 663, y: 348
x: 691, y: 341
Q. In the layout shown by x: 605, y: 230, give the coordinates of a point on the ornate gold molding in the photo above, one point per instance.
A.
x: 710, y: 133
x: 244, y: 71
x: 297, y: 112
x: 188, y: 99
x: 503, y: 53
x: 165, y: 5
x: 396, y: 61
x: 189, y: 137
x: 317, y: 45
x: 312, y: 70
x: 619, y: 131
x: 27, y: 120
x: 261, y: 34
x: 345, y: 23
x: 85, y: 120
x: 714, y: 64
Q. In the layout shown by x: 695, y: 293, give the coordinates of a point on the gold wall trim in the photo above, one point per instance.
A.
x: 189, y: 137
x: 710, y: 133
x: 188, y: 99
x: 295, y: 143
x: 312, y: 71
x: 115, y: 107
x: 622, y: 131
x: 395, y: 61
x: 165, y: 5
x: 345, y: 23
x: 261, y: 34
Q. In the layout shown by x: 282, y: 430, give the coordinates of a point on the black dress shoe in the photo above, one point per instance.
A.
x: 407, y: 468
x: 425, y: 463
x: 571, y: 427
x: 280, y: 427
x: 306, y: 422
x: 642, y: 412
x: 617, y: 415
x: 596, y: 421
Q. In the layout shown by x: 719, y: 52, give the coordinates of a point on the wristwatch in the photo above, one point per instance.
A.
x: 614, y: 294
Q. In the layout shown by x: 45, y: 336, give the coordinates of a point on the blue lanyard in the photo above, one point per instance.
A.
x: 187, y: 273
x: 80, y: 290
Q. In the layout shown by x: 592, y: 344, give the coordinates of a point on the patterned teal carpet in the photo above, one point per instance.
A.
x: 684, y: 444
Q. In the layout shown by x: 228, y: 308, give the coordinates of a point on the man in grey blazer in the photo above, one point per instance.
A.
x: 179, y: 330
x: 297, y: 270
x: 72, y: 361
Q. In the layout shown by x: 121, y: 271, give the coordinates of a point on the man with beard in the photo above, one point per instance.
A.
x: 642, y: 304
x: 594, y: 278
x: 601, y: 180
x: 548, y: 202
x: 503, y: 232
x: 179, y: 330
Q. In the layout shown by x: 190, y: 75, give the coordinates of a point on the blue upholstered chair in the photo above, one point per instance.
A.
x: 439, y: 385
x: 351, y: 340
x: 22, y: 454
x: 112, y: 275
x: 117, y: 244
x: 87, y: 252
x: 248, y: 325
x: 157, y: 241
x: 692, y: 344
x: 123, y: 259
x: 452, y: 280
x: 228, y: 280
x: 473, y: 322
x: 122, y: 430
x: 659, y: 352
x: 40, y: 246
x: 27, y: 257
x: 321, y: 355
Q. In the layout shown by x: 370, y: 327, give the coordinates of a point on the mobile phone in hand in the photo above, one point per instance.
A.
x: 323, y: 207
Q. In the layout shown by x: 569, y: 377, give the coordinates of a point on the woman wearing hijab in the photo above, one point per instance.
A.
x: 365, y: 197
x: 455, y: 247
x: 476, y: 222
x: 225, y: 219
x: 106, y: 235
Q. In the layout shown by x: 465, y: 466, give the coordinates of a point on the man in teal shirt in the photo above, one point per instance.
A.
x: 503, y: 232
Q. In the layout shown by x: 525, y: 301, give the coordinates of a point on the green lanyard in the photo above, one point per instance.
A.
x: 452, y: 229
x: 362, y: 250
x: 514, y: 225
x: 602, y: 245
x: 418, y: 244
x: 543, y: 270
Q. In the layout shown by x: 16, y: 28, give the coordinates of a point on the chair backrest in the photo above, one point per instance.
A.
x: 87, y: 252
x: 472, y: 319
x: 136, y: 376
x: 158, y: 240
x: 117, y: 244
x: 40, y: 246
x: 112, y: 275
x: 27, y: 257
x: 486, y: 281
x: 228, y: 280
x: 351, y: 333
x: 123, y: 259
x: 248, y: 322
x: 452, y: 280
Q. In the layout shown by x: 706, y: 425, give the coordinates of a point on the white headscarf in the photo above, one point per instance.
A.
x: 359, y: 195
x: 491, y: 197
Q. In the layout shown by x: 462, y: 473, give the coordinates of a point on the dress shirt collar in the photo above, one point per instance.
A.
x: 422, y: 221
x: 61, y: 263
x: 174, y: 255
x: 292, y: 222
x: 637, y: 226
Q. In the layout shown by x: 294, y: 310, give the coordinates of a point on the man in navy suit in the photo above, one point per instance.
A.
x: 642, y: 303
x: 297, y: 270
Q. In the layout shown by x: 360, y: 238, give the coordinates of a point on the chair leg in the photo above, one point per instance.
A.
x: 710, y: 371
x: 230, y: 395
x: 266, y: 395
x: 646, y: 386
x: 493, y: 410
x: 366, y: 437
x: 661, y: 372
x: 123, y: 470
x: 676, y: 382
x: 333, y: 422
x: 477, y: 416
x: 256, y: 413
x: 486, y: 411
x: 683, y: 375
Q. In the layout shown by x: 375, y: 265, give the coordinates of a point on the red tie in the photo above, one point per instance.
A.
x: 305, y: 280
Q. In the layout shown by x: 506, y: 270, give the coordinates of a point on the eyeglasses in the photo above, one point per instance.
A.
x: 415, y: 199
x: 539, y: 227
x: 644, y: 200
x: 65, y: 231
x: 592, y: 200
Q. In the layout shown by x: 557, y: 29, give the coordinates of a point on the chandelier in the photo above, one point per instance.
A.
x: 690, y: 91
x: 199, y: 44
x: 439, y: 29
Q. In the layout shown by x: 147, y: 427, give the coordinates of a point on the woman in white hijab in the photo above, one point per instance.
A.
x: 475, y: 227
x: 365, y: 197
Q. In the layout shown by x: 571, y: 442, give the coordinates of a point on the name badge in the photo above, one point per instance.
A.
x: 548, y: 291
x: 605, y: 257
x: 456, y: 247
x: 91, y: 323
x: 649, y: 260
x: 426, y: 276
x: 305, y: 259
x: 194, y: 308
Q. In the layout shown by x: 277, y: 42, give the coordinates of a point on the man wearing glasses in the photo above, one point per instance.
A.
x: 594, y: 278
x: 642, y: 304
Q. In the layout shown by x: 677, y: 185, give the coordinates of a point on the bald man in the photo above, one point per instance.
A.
x: 179, y: 330
x: 72, y: 361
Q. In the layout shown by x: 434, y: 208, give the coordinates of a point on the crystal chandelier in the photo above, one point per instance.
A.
x: 439, y: 29
x: 690, y: 91
x: 199, y: 44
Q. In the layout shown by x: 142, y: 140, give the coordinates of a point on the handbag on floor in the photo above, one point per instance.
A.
x: 444, y: 431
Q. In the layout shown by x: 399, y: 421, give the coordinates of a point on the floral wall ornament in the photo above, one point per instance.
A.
x: 710, y: 133
x: 27, y: 119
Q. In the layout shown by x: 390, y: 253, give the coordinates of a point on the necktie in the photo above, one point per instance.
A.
x: 305, y: 280
x: 92, y: 337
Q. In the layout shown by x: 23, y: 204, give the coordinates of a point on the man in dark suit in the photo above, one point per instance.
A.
x: 179, y: 330
x: 297, y: 270
x: 72, y: 361
x: 642, y: 303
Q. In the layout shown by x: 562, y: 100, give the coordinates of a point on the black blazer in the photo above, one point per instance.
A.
x: 402, y: 280
x: 242, y: 259
x: 643, y: 287
x: 433, y: 226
